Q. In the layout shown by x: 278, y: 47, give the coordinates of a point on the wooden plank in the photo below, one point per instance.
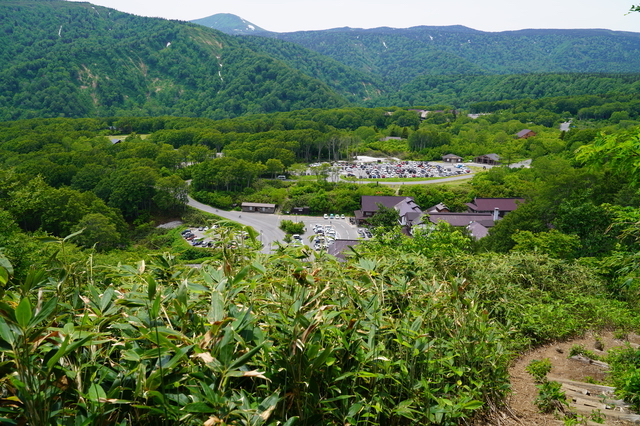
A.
x: 590, y: 361
x: 588, y: 397
x: 589, y: 386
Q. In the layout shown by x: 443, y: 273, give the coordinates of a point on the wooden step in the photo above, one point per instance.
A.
x: 588, y: 397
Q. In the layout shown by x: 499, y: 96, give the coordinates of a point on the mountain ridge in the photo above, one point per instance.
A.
x: 230, y: 24
x: 227, y: 18
x: 396, y: 56
x: 75, y: 59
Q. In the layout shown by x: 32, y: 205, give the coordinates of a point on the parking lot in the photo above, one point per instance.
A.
x: 319, y: 233
x: 401, y: 170
x: 267, y: 225
x: 214, y: 237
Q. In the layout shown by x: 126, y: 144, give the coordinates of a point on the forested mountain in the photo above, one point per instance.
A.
x: 464, y: 91
x: 75, y: 59
x: 400, y: 55
x: 78, y: 60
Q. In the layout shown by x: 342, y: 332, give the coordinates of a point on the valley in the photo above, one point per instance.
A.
x: 189, y: 234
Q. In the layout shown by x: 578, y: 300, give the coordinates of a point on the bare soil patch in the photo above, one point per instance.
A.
x: 564, y: 369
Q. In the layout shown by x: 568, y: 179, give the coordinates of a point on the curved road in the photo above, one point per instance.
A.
x: 267, y: 225
x: 417, y: 182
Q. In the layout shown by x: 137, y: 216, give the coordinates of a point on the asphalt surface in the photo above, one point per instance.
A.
x: 268, y: 225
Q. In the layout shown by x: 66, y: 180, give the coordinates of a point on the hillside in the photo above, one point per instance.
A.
x: 76, y: 60
x: 397, y: 56
x: 69, y: 59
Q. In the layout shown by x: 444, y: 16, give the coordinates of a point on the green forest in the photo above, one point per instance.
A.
x: 71, y: 59
x: 104, y: 320
x: 110, y: 122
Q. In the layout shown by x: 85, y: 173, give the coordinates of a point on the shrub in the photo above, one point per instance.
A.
x: 539, y: 369
x: 291, y: 227
x: 625, y: 374
x: 551, y: 399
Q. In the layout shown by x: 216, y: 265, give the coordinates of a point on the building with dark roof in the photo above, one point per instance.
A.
x: 440, y: 207
x: 462, y: 219
x: 258, y: 208
x: 491, y: 159
x: 340, y: 248
x: 407, y: 208
x: 490, y: 205
x: 451, y: 158
x: 526, y: 133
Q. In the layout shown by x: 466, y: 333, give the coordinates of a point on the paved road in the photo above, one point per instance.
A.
x: 268, y: 224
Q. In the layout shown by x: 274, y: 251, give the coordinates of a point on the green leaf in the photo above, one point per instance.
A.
x: 65, y: 349
x: 96, y: 392
x: 106, y: 298
x: 73, y: 235
x: 155, y: 308
x: 259, y: 267
x: 44, y: 313
x: 354, y: 409
x: 48, y: 239
x: 320, y: 360
x: 4, y: 276
x: 217, y: 307
x: 152, y: 288
x: 240, y: 275
x: 267, y: 406
x: 23, y: 313
x: 180, y: 353
x: 246, y: 357
x: 5, y: 332
x: 472, y: 405
x: 199, y: 407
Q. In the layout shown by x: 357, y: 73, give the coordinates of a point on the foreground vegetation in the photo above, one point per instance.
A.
x: 283, y: 340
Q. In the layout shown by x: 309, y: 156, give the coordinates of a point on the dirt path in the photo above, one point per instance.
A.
x: 563, y: 370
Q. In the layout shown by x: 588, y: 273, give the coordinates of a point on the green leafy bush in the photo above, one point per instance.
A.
x: 625, y: 374
x: 291, y: 227
x: 539, y: 369
x: 551, y: 399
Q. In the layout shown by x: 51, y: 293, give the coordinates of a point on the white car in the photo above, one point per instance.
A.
x: 341, y: 216
x: 326, y: 216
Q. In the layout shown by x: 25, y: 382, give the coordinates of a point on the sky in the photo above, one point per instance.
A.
x: 483, y: 15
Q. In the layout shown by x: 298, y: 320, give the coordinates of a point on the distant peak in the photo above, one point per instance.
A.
x: 230, y: 24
